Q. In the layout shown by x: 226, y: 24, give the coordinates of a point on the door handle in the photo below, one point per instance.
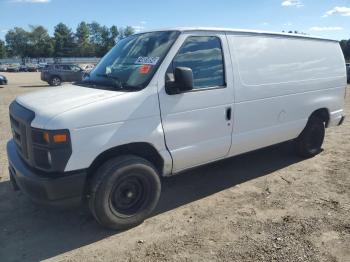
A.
x: 228, y: 113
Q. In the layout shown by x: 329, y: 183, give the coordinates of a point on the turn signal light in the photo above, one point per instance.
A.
x: 60, y: 138
x: 46, y: 137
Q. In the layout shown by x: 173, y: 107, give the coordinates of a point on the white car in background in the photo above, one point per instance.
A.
x: 87, y: 67
x: 3, y: 67
x: 15, y: 67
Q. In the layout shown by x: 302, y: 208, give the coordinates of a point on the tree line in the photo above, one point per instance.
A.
x: 345, y: 46
x: 88, y: 40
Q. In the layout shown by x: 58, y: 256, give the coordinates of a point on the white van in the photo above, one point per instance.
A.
x: 162, y: 102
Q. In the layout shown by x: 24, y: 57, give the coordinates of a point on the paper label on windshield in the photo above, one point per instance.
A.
x: 144, y: 69
x: 147, y: 60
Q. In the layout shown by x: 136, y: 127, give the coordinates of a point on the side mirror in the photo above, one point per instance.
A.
x: 183, y: 81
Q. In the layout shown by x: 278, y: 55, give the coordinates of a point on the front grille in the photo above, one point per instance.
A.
x: 21, y: 118
x: 19, y: 135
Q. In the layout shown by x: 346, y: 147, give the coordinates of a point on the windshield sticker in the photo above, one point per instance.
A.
x: 144, y: 69
x: 147, y: 60
x: 108, y: 70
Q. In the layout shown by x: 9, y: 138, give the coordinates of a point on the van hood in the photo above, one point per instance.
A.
x: 53, y: 101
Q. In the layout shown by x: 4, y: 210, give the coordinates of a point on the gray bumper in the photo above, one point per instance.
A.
x: 64, y: 189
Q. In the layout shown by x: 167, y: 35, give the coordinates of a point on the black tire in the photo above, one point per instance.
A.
x: 55, y: 81
x: 124, y: 192
x: 309, y: 143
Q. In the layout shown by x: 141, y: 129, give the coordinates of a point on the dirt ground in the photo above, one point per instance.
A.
x: 268, y: 205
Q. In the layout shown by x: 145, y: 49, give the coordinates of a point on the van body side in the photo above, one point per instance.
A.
x: 279, y: 83
x: 162, y: 102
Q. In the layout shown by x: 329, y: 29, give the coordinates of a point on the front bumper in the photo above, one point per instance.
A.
x: 64, y: 190
x: 341, y: 121
x: 336, y: 118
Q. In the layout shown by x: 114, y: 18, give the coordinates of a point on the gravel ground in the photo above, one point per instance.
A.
x: 267, y: 205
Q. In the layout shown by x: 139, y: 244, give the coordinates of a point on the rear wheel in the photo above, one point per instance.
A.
x: 309, y: 142
x: 124, y: 192
x: 55, y: 81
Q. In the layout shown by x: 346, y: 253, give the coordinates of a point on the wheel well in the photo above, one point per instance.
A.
x: 323, y: 114
x: 53, y: 76
x: 141, y: 149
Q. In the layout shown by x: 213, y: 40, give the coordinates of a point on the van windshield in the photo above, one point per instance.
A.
x: 131, y: 64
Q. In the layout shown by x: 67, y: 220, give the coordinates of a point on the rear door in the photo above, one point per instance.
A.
x: 64, y: 72
x: 76, y: 74
x: 198, y: 124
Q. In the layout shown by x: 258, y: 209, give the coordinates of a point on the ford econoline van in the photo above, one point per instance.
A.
x: 164, y: 101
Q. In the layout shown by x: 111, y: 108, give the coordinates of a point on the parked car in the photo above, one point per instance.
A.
x: 23, y: 68
x: 13, y: 68
x: 163, y: 102
x: 348, y: 72
x: 41, y: 66
x: 3, y: 80
x: 3, y: 67
x: 55, y: 74
x: 87, y: 68
x: 32, y: 67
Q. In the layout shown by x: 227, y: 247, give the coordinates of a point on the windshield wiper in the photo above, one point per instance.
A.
x: 120, y: 84
x: 93, y: 84
x: 116, y: 80
x: 132, y: 87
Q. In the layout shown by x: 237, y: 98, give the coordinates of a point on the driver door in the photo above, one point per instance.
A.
x: 198, y: 123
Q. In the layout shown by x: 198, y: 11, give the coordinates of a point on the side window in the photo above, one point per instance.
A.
x: 75, y: 68
x: 66, y: 68
x: 203, y: 54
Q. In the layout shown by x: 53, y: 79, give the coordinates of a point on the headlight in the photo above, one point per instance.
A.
x: 51, y: 149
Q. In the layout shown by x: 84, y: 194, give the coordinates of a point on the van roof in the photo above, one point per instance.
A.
x: 242, y: 31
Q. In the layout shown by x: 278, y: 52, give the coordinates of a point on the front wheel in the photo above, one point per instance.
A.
x: 309, y: 142
x: 124, y: 192
x: 55, y: 81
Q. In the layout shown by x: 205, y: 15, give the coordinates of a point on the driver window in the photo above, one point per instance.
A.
x: 203, y: 54
x: 65, y: 67
x: 75, y: 68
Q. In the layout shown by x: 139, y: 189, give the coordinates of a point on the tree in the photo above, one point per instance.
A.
x: 64, y: 41
x: 40, y: 43
x: 89, y: 39
x: 345, y: 46
x: 2, y: 49
x: 295, y: 32
x: 114, y: 34
x: 95, y: 33
x: 128, y: 31
x: 83, y: 40
x: 95, y: 36
x: 102, y: 38
x: 105, y: 41
x: 17, y: 42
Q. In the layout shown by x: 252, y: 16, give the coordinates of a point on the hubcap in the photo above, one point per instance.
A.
x: 128, y: 196
x: 56, y: 81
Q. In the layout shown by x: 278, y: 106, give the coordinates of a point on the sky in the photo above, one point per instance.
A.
x: 325, y: 18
